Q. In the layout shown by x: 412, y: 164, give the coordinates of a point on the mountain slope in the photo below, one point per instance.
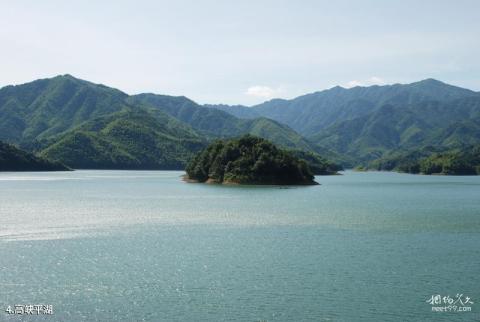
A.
x: 125, y: 140
x: 218, y: 124
x: 239, y: 111
x: 309, y: 114
x: 64, y: 117
x: 449, y: 124
x: 14, y: 159
x: 48, y: 107
x: 366, y: 123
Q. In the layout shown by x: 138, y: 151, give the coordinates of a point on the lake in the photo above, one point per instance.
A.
x: 146, y: 246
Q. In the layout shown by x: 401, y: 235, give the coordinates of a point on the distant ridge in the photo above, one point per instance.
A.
x: 83, y: 124
x: 363, y: 123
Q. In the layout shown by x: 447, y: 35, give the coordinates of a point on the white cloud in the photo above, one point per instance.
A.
x: 354, y: 83
x: 262, y: 91
x: 374, y: 80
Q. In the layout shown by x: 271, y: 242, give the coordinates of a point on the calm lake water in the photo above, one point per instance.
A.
x: 145, y: 246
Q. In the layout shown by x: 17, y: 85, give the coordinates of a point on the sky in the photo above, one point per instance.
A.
x: 241, y: 52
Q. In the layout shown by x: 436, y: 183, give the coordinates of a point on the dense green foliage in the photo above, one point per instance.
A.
x: 366, y: 123
x: 47, y: 107
x: 318, y: 165
x: 14, y: 159
x: 87, y: 125
x: 457, y: 162
x: 125, y: 140
x: 460, y: 161
x: 93, y: 126
x: 311, y: 113
x: 248, y: 160
x: 218, y: 124
x: 411, y: 128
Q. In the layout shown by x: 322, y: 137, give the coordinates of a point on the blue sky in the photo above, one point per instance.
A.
x: 240, y: 52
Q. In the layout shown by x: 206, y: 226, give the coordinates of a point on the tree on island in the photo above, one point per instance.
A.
x: 248, y: 160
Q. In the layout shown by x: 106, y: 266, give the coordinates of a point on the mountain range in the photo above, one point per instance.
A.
x: 365, y: 123
x: 87, y: 125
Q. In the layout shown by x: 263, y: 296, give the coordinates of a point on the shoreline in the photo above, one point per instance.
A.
x: 187, y: 179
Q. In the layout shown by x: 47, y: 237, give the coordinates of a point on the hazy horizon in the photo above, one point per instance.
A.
x: 241, y: 53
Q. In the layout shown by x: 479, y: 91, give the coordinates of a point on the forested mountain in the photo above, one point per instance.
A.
x: 88, y: 125
x: 240, y: 111
x: 218, y: 124
x: 47, y: 107
x: 14, y: 159
x: 449, y: 124
x: 365, y: 123
x: 125, y: 140
x: 311, y: 113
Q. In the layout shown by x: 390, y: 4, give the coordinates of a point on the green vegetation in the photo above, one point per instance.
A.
x: 464, y: 162
x: 312, y: 113
x: 47, y: 107
x: 216, y: 124
x: 318, y: 164
x: 248, y: 160
x: 389, y: 129
x: 401, y: 160
x: 460, y: 161
x: 126, y: 140
x: 362, y: 124
x: 14, y: 159
x: 86, y: 125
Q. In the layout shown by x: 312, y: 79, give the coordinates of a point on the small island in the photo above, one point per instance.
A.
x: 248, y: 160
x: 14, y: 159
